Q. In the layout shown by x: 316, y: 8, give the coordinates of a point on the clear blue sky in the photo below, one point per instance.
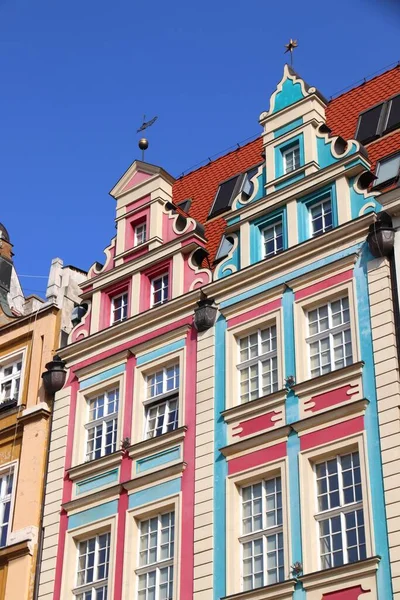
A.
x: 77, y: 77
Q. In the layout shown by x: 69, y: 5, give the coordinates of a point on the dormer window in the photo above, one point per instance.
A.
x: 159, y: 289
x: 272, y: 239
x: 379, y: 120
x: 119, y: 308
x: 291, y: 158
x: 321, y: 216
x: 387, y: 171
x: 139, y: 236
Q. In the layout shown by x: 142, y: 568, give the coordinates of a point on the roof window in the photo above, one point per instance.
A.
x: 378, y: 120
x: 387, y: 171
x: 228, y: 190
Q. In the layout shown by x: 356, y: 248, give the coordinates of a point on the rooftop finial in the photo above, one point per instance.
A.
x: 289, y: 48
x: 143, y: 142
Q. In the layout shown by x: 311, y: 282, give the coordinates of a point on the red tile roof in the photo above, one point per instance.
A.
x: 342, y: 115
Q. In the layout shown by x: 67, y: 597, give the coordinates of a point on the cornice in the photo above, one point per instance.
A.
x: 276, y: 591
x: 340, y: 574
x: 278, y: 433
x: 252, y: 408
x: 157, y: 444
x: 14, y: 551
x: 333, y: 378
x: 107, y: 493
x: 145, y: 479
x: 93, y: 467
x: 325, y: 417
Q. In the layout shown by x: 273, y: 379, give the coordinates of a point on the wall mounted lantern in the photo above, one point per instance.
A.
x: 380, y: 238
x: 205, y: 314
x: 54, y: 377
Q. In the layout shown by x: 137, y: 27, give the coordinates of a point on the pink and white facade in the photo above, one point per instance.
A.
x: 243, y: 460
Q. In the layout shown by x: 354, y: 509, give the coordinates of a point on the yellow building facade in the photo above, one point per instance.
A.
x: 30, y: 332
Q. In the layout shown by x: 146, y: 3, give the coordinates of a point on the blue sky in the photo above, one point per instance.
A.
x: 78, y: 76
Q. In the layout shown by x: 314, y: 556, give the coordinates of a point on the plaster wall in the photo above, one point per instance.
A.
x: 388, y: 395
x: 204, y: 461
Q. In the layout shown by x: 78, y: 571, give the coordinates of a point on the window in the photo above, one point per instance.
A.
x: 156, y: 556
x: 329, y: 337
x: 10, y: 379
x: 93, y: 565
x: 159, y: 289
x: 321, y: 216
x: 6, y: 489
x: 163, y: 400
x: 378, y: 120
x: 262, y: 534
x: 258, y: 364
x: 340, y: 515
x: 226, y: 193
x: 387, y: 170
x: 103, y: 424
x: 139, y: 234
x: 291, y: 158
x: 119, y: 308
x: 272, y: 239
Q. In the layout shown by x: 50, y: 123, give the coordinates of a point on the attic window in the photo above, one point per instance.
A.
x: 224, y: 248
x: 225, y: 195
x: 378, y: 120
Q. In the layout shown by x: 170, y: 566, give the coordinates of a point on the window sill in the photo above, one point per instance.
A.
x: 340, y: 575
x: 253, y: 406
x: 92, y: 467
x: 277, y: 591
x: 13, y: 551
x: 157, y: 444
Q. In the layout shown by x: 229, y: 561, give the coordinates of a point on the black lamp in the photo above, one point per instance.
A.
x: 205, y: 314
x: 380, y: 238
x: 54, y: 377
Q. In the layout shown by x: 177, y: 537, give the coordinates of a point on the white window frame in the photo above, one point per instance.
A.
x: 325, y: 227
x: 7, y: 496
x: 6, y: 362
x: 165, y: 283
x: 164, y: 399
x: 140, y: 233
x: 258, y: 360
x: 329, y: 334
x: 103, y: 423
x: 81, y: 589
x: 264, y: 532
x: 123, y: 308
x: 272, y: 227
x: 293, y: 152
x: 341, y: 510
x: 159, y: 564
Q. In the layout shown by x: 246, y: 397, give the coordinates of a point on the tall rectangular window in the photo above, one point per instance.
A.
x: 258, y: 364
x: 6, y: 490
x: 291, y: 158
x: 162, y: 401
x: 340, y: 514
x: 329, y: 337
x: 321, y: 216
x: 156, y: 557
x: 262, y: 534
x: 119, y: 308
x: 272, y: 239
x: 93, y: 567
x: 160, y: 289
x: 102, y: 426
x: 139, y: 234
x: 10, y: 379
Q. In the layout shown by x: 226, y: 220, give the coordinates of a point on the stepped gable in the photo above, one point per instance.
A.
x: 342, y: 115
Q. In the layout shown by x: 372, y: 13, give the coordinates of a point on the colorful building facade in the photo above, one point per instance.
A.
x: 222, y: 431
x: 29, y: 335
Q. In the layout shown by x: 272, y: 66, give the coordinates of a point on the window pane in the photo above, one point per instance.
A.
x: 387, y: 169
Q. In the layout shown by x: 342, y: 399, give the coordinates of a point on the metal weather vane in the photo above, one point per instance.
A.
x: 289, y: 48
x: 144, y: 142
x: 147, y: 124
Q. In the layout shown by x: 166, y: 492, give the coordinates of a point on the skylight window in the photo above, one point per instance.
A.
x: 378, y: 120
x: 225, y: 195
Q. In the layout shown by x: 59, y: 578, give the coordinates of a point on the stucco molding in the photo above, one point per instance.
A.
x: 14, y: 551
x: 277, y: 591
x: 143, y: 480
x: 340, y: 574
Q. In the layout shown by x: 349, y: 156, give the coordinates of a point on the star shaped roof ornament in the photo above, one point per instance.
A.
x: 290, y: 47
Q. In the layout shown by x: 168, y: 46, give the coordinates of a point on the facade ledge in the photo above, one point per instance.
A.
x: 40, y: 411
x: 357, y: 407
x: 254, y: 407
x: 340, y: 574
x: 289, y: 260
x: 331, y: 379
x: 250, y: 303
x: 157, y: 444
x: 14, y: 551
x: 338, y: 266
x: 93, y: 467
x: 279, y: 433
x: 159, y: 475
x: 111, y: 492
x: 277, y: 591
